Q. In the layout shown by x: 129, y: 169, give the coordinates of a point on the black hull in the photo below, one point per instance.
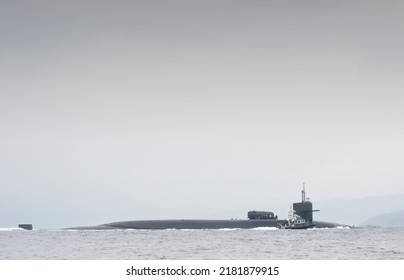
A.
x: 199, y: 224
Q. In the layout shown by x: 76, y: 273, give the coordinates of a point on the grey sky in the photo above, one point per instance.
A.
x: 115, y: 110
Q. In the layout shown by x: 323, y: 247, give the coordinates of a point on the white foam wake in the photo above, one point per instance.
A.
x: 11, y: 229
x: 265, y: 228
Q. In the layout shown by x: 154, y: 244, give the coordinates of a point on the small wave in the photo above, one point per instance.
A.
x: 178, y: 229
x: 265, y: 228
x: 228, y: 229
x: 344, y: 227
x: 187, y: 229
x: 12, y: 229
x: 330, y: 228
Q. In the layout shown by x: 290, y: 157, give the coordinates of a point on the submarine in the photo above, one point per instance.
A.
x: 256, y: 219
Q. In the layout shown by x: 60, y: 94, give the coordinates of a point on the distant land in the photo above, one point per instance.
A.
x: 360, y: 211
x: 395, y: 219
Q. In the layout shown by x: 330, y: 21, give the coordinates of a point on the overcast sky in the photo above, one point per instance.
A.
x: 117, y: 110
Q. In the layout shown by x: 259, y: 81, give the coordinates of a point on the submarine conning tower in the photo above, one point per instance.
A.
x: 305, y: 208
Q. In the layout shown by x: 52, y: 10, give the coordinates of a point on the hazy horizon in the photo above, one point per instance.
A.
x: 176, y: 109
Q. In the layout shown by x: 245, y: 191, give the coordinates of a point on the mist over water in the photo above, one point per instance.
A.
x: 237, y: 244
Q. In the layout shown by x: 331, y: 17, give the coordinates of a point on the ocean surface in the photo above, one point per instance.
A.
x: 232, y: 244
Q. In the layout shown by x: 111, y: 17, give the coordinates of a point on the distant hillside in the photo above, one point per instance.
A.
x: 395, y: 219
x: 356, y: 211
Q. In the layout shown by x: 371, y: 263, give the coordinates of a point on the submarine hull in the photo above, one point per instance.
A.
x: 200, y: 224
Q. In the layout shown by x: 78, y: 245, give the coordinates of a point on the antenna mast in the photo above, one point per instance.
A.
x: 303, y: 193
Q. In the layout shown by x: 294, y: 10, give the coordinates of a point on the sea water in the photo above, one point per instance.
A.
x: 232, y: 244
